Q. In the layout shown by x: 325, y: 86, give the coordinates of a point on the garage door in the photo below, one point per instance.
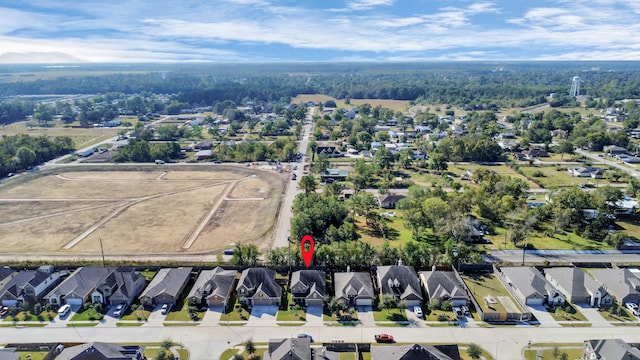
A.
x: 74, y: 302
x: 364, y: 302
x: 262, y: 302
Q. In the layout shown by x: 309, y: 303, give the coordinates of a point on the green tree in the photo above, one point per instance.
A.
x: 245, y: 255
x: 237, y: 356
x: 388, y: 302
x: 250, y: 347
x: 474, y: 350
x: 634, y: 186
x: 437, y: 162
x: 384, y: 159
x: 565, y: 147
x: 308, y: 184
x: 26, y: 157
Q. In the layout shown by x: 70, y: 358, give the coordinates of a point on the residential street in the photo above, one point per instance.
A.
x: 208, y: 342
x: 597, y: 161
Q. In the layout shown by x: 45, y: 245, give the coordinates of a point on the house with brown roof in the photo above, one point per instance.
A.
x: 213, y: 287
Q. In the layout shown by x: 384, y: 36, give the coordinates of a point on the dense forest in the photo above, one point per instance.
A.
x: 21, y: 152
x: 474, y: 86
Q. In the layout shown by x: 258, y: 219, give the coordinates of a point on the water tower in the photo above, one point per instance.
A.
x: 575, y: 86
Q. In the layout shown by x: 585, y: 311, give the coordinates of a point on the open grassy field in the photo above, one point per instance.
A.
x: 150, y: 212
x: 461, y: 169
x: 82, y: 137
x: 484, y: 285
x: 397, y: 105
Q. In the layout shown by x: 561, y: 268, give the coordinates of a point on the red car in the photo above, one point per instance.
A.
x: 384, y: 338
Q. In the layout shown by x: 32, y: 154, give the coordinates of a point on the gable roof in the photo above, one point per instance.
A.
x: 528, y: 281
x: 260, y: 280
x: 443, y: 285
x: 213, y: 282
x: 614, y: 349
x: 126, y: 281
x: 399, y: 280
x: 575, y: 281
x: 16, y: 284
x: 9, y: 354
x: 169, y: 281
x: 415, y: 352
x: 312, y: 281
x: 353, y: 284
x: 101, y: 350
x: 618, y: 282
x: 289, y: 349
x: 82, y: 282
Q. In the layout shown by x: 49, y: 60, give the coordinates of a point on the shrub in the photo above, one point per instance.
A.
x: 537, y: 173
x: 443, y: 317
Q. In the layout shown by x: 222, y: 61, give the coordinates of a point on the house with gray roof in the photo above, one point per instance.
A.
x: 29, y: 286
x: 355, y: 288
x: 258, y: 286
x: 308, y: 287
x: 9, y: 354
x: 444, y: 286
x: 78, y: 288
x: 122, y: 287
x: 415, y: 352
x: 213, y: 287
x: 402, y: 282
x: 6, y: 273
x: 289, y: 349
x: 529, y: 286
x: 610, y: 349
x: 622, y: 284
x: 102, y: 351
x: 166, y: 286
x: 578, y: 287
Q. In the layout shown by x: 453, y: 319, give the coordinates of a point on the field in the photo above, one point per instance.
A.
x: 139, y: 212
x: 82, y: 137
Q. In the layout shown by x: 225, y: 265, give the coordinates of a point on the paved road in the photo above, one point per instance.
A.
x: 284, y: 217
x: 515, y: 256
x: 599, y: 160
x: 208, y: 342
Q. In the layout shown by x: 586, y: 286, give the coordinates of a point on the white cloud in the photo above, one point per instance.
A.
x: 368, y: 4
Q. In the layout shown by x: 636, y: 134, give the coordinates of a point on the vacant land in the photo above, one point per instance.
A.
x: 489, y: 292
x: 139, y: 212
x: 82, y: 137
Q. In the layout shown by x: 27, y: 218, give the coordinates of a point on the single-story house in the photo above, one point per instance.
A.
x: 529, y: 286
x: 335, y: 174
x: 587, y: 171
x: 296, y: 349
x: 355, y: 288
x: 328, y: 151
x: 389, y: 201
x: 610, y: 349
x: 400, y: 281
x: 308, y: 287
x: 213, y: 287
x: 614, y: 149
x: 534, y: 153
x: 622, y: 284
x: 258, y: 286
x: 578, y: 287
x: 204, y: 155
x: 416, y: 351
x: 80, y: 286
x: 166, y: 286
x: 203, y: 145
x: 102, y: 351
x: 124, y: 288
x: 29, y: 286
x: 444, y: 286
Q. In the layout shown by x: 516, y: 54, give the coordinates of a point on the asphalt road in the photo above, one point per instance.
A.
x: 208, y: 342
x: 515, y: 257
x: 284, y: 217
x: 601, y: 160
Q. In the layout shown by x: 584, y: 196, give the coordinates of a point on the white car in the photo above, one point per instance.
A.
x: 418, y: 311
x: 465, y: 309
x: 632, y: 307
x: 119, y: 310
x: 165, y: 309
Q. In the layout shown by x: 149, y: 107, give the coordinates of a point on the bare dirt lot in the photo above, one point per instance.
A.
x: 158, y: 211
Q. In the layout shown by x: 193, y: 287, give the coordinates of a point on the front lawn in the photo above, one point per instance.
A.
x: 560, y: 313
x: 28, y: 316
x: 180, y: 312
x: 235, y: 313
x: 140, y: 314
x: 390, y: 315
x: 33, y: 355
x: 89, y: 314
x: 624, y: 315
x: 292, y: 312
x: 342, y: 316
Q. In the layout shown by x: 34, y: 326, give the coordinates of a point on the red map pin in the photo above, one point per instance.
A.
x: 307, y: 255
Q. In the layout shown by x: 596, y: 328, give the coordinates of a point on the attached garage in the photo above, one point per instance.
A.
x: 315, y: 302
x: 364, y: 302
x: 74, y: 302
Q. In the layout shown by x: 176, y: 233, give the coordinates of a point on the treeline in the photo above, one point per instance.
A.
x: 144, y: 151
x: 473, y: 86
x: 20, y: 152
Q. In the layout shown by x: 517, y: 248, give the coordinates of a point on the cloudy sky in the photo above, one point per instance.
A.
x: 318, y: 30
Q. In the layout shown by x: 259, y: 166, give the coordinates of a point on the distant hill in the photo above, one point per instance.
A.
x: 37, y: 58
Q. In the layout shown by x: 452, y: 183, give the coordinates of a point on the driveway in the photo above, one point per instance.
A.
x: 263, y: 315
x: 593, y: 316
x: 156, y: 318
x: 544, y: 318
x: 212, y: 316
x: 365, y: 315
x: 314, y: 316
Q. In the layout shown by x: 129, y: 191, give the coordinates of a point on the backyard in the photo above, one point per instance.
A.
x: 487, y: 290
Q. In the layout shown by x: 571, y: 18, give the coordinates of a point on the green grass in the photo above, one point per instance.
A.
x: 183, y: 353
x: 400, y: 235
x: 139, y: 315
x: 35, y: 355
x: 181, y: 324
x: 461, y: 169
x: 28, y: 316
x: 537, y: 240
x: 347, y: 356
x: 227, y: 354
x: 290, y: 314
x: 391, y: 315
x: 148, y: 274
x: 332, y: 317
x: 83, y: 324
x: 126, y: 324
x: 548, y: 353
x: 565, y: 316
x: 482, y: 285
x: 12, y: 324
x: 235, y: 313
x: 434, y: 315
x: 179, y: 312
x: 625, y: 316
x: 87, y: 315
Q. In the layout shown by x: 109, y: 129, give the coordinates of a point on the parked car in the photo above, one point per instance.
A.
x: 64, y: 310
x: 293, y: 176
x: 159, y: 162
x: 165, y: 309
x: 119, y: 310
x: 302, y: 336
x: 418, y: 311
x: 228, y: 252
x: 383, y: 338
x: 295, y: 167
x: 3, y: 311
x: 465, y: 310
x: 632, y: 307
x: 458, y: 311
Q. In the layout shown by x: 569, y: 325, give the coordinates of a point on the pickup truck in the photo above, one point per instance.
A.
x: 383, y: 338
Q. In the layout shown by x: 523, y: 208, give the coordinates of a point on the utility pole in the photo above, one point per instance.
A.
x: 102, y: 251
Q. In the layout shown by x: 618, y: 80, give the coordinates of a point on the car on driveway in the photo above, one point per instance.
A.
x: 383, y: 338
x: 458, y: 311
x: 119, y: 310
x: 632, y: 307
x: 418, y: 311
x: 165, y: 309
x: 465, y: 310
x: 3, y: 311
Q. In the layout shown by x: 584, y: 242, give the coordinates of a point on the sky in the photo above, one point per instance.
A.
x: 317, y: 30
